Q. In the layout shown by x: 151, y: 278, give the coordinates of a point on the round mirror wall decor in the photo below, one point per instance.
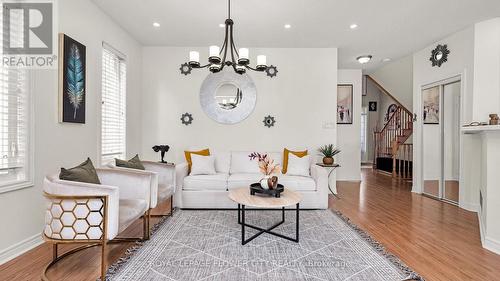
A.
x: 228, y: 97
x: 439, y: 55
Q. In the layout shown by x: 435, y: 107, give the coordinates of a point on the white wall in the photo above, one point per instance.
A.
x: 348, y: 135
x: 67, y: 145
x: 486, y: 69
x: 460, y: 62
x: 301, y: 98
x: 397, y: 78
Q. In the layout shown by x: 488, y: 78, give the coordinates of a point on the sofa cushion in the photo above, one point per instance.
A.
x: 222, y: 161
x: 241, y: 163
x: 297, y: 183
x: 243, y: 180
x: 206, y: 182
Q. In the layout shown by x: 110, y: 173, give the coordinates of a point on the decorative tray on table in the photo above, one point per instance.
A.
x: 257, y: 188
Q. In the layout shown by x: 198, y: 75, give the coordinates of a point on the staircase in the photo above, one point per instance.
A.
x: 392, y: 154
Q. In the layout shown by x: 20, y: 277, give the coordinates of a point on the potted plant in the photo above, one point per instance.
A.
x: 267, y: 168
x: 328, y: 151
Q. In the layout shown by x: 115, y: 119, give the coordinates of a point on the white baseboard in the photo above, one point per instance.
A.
x: 20, y: 248
x: 470, y: 206
x: 492, y: 245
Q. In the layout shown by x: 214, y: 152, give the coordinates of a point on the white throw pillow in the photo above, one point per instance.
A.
x: 298, y: 166
x: 202, y: 165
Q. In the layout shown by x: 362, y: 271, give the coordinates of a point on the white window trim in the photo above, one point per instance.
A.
x: 30, y: 167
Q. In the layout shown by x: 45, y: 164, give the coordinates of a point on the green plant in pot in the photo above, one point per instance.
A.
x: 328, y: 151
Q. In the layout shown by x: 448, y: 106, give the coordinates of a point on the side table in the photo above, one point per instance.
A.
x: 330, y: 169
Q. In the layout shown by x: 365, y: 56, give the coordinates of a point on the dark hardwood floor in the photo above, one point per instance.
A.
x: 438, y: 240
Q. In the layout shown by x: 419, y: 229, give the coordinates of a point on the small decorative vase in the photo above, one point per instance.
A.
x: 269, y: 182
x: 328, y: 160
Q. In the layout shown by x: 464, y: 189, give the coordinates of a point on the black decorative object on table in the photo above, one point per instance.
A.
x: 163, y: 149
x: 257, y: 188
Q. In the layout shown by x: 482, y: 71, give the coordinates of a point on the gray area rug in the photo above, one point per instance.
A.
x: 206, y: 245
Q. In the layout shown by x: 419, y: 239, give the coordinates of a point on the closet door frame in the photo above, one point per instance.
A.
x: 441, y: 84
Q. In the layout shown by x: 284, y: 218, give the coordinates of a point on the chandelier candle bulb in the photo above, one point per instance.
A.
x: 194, y: 58
x: 243, y: 56
x: 261, y: 62
x: 243, y: 53
x: 214, y: 52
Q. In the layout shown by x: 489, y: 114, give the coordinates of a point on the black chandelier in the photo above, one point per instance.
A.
x: 228, y: 55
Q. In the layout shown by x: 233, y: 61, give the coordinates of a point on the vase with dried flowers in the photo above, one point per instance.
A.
x: 267, y: 167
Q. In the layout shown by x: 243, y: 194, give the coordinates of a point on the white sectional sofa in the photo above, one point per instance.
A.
x: 235, y: 170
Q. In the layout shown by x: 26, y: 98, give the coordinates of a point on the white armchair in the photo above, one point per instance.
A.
x: 94, y: 214
x: 164, y: 185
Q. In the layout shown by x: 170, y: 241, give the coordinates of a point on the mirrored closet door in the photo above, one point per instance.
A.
x: 441, y: 140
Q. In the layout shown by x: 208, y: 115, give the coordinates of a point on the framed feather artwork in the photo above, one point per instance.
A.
x: 72, y: 80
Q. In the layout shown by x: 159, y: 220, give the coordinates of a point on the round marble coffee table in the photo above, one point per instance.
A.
x: 244, y: 199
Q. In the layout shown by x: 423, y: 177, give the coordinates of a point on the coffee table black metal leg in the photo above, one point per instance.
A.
x: 297, y: 223
x: 242, y: 224
x: 239, y: 217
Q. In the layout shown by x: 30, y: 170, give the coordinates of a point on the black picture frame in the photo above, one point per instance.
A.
x: 72, y: 80
x: 345, y: 104
x: 372, y: 106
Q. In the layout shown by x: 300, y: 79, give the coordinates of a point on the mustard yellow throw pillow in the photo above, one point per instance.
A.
x: 187, y: 154
x: 285, y: 157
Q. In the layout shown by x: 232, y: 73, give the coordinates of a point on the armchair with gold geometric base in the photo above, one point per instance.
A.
x: 94, y: 214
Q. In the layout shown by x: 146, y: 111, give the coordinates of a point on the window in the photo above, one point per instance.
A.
x: 15, y: 120
x: 113, y: 124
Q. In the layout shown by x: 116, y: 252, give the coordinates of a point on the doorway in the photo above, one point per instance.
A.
x: 441, y: 140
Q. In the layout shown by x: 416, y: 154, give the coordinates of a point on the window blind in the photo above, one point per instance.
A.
x: 113, y: 138
x: 14, y: 114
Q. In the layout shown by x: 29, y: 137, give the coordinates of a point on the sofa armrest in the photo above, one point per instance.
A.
x: 320, y: 176
x: 132, y: 184
x: 181, y: 171
x: 166, y: 172
x: 153, y: 201
x: 65, y: 193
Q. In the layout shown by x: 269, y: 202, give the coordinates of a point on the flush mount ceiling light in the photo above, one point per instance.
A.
x: 288, y: 26
x: 364, y: 59
x: 228, y: 54
x: 353, y: 26
x: 155, y: 24
x: 386, y: 60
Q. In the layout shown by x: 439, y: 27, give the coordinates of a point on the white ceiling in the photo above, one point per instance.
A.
x: 387, y: 28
